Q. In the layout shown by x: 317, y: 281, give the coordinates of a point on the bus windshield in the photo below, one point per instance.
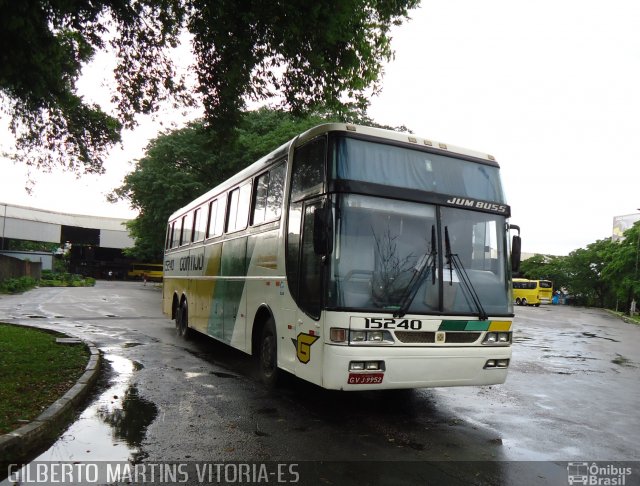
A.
x: 362, y: 160
x: 382, y: 246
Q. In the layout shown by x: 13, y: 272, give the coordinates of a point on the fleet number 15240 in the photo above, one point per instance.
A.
x: 388, y: 323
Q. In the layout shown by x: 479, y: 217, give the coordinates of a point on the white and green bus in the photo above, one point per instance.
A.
x: 352, y: 257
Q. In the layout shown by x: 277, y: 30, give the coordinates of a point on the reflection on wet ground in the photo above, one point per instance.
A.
x: 113, y: 427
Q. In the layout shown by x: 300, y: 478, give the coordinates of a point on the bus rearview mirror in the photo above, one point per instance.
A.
x: 322, y: 231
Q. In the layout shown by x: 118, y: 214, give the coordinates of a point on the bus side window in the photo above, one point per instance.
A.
x: 175, y: 234
x: 197, y: 234
x: 185, y: 236
x: 268, y: 196
x: 308, y: 169
x: 275, y: 193
x: 211, y: 224
x: 169, y: 239
x: 260, y: 205
x: 239, y: 202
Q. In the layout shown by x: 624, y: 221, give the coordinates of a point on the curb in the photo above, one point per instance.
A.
x: 20, y: 443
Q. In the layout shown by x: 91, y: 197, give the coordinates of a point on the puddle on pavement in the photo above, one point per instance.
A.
x: 114, y: 425
x: 592, y: 335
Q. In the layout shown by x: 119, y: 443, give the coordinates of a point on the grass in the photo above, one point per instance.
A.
x: 632, y: 319
x: 34, y: 372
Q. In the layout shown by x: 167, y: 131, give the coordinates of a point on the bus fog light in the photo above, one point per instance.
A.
x: 356, y: 366
x: 491, y: 363
x: 372, y: 365
x: 338, y: 335
x: 502, y: 363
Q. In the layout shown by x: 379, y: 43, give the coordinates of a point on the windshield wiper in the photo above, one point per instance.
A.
x: 453, y: 260
x: 426, y: 264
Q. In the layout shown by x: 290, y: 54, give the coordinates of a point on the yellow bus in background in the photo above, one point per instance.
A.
x: 532, y: 292
x: 152, y: 271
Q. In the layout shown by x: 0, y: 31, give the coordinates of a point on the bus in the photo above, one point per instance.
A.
x: 532, y: 292
x: 354, y: 258
x: 150, y: 271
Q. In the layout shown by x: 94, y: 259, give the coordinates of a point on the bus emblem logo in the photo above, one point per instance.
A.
x: 303, y: 346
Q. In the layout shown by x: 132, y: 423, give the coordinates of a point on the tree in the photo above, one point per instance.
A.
x: 546, y: 267
x: 304, y: 53
x: 621, y: 272
x: 181, y: 165
x: 584, y: 269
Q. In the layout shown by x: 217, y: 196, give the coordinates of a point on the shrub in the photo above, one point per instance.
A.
x: 17, y: 285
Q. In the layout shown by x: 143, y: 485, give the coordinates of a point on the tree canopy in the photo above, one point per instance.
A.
x: 304, y: 53
x: 605, y: 273
x: 180, y: 165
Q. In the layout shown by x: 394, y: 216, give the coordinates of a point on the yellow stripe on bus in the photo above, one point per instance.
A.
x: 500, y: 326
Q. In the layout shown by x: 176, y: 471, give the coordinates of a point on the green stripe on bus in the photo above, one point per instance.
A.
x: 464, y: 326
x: 477, y: 326
x: 452, y: 326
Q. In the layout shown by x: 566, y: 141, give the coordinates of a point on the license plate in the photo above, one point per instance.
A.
x: 365, y: 378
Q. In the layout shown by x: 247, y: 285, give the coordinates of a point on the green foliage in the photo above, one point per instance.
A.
x: 604, y: 274
x: 64, y: 279
x: 300, y: 53
x: 17, y: 285
x: 27, y: 245
x: 183, y: 164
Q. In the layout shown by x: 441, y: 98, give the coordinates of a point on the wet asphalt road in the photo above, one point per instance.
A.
x: 572, y: 395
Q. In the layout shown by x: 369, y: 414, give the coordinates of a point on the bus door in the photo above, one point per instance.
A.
x: 308, y: 327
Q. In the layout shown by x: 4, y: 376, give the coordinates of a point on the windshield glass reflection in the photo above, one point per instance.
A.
x: 387, y: 258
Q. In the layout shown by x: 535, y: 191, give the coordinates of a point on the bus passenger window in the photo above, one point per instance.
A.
x: 308, y: 169
x: 239, y: 202
x: 262, y: 185
x: 175, y: 237
x: 185, y: 237
x: 198, y: 220
x: 211, y: 225
x: 169, y: 238
x: 275, y: 193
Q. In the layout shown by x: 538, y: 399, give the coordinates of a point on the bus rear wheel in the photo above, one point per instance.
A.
x: 182, y: 320
x: 518, y: 301
x: 524, y: 301
x: 268, y: 357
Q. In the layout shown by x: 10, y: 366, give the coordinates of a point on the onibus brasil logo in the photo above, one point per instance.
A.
x: 597, y: 475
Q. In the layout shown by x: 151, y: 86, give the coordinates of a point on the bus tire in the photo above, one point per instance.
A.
x: 518, y: 301
x: 268, y: 355
x: 524, y: 302
x: 182, y: 320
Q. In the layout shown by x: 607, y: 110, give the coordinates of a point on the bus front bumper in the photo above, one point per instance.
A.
x: 416, y: 367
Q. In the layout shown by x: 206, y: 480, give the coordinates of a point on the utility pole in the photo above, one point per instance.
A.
x: 632, y: 310
x: 4, y: 223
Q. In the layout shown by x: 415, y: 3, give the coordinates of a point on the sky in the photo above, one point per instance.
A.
x: 550, y: 88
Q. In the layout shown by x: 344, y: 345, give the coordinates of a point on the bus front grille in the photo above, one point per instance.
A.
x: 452, y: 337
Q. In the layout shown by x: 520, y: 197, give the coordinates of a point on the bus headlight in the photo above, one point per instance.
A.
x: 370, y: 337
x: 497, y: 338
x: 358, y: 336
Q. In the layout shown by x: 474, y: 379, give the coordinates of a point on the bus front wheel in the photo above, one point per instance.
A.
x: 268, y: 358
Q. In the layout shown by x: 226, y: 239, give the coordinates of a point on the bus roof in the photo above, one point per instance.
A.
x: 383, y: 134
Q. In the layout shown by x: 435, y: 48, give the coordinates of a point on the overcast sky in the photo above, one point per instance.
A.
x: 550, y: 88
